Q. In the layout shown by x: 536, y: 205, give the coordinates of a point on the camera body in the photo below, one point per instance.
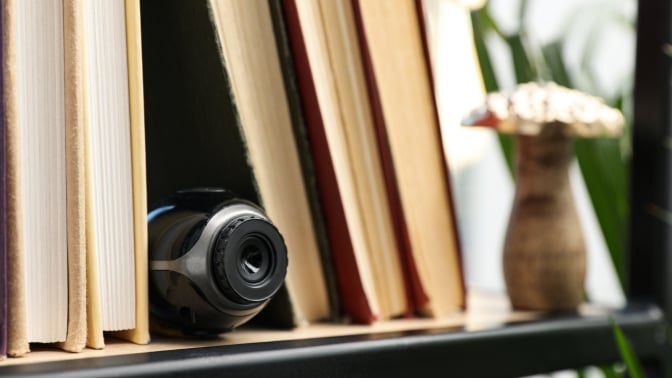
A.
x: 215, y: 261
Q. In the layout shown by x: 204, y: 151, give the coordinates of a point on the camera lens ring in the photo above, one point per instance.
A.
x: 249, y: 260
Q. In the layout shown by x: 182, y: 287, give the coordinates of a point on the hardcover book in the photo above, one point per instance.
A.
x: 402, y: 98
x: 341, y: 133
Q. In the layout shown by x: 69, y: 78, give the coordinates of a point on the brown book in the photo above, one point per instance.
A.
x: 410, y: 142
x: 341, y: 132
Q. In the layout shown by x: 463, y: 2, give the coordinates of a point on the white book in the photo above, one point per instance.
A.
x: 109, y: 162
x: 40, y: 124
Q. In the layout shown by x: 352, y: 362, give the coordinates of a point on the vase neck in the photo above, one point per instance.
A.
x: 542, y: 162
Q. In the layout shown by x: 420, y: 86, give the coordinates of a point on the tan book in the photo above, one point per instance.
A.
x: 401, y: 90
x: 139, y: 334
x: 75, y: 190
x: 17, y: 332
x: 116, y: 194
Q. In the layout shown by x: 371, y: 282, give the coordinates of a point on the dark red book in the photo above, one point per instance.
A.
x: 353, y: 299
x: 340, y: 123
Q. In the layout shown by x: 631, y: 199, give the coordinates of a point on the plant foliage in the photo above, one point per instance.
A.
x: 603, y: 162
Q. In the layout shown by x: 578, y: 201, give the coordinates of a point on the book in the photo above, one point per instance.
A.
x: 340, y: 127
x: 49, y: 50
x: 17, y: 342
x: 214, y: 93
x: 248, y: 48
x: 112, y: 102
x: 139, y: 334
x: 300, y: 129
x: 3, y: 213
x: 391, y: 39
x: 482, y: 184
x: 75, y: 189
x: 35, y: 124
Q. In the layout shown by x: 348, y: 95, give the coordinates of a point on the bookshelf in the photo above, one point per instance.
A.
x: 512, y: 345
x: 516, y: 349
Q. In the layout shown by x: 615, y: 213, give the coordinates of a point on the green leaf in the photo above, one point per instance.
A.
x: 552, y: 54
x: 507, y: 144
x: 482, y: 24
x: 603, y: 169
x: 480, y: 29
x: 522, y: 64
x: 487, y: 23
x: 627, y: 354
x: 522, y: 14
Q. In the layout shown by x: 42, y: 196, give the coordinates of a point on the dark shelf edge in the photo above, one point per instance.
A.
x: 513, y: 350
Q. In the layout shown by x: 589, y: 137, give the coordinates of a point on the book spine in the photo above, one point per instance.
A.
x: 75, y: 176
x: 446, y: 172
x: 3, y: 208
x: 303, y: 146
x: 17, y: 331
x: 139, y: 334
x: 351, y: 293
x: 415, y: 291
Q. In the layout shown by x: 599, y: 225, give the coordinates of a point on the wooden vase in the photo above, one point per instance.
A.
x: 544, y: 255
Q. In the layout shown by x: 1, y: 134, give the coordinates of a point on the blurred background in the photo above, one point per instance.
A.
x: 478, y: 47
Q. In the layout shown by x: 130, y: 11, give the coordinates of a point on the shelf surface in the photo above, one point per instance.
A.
x: 489, y: 345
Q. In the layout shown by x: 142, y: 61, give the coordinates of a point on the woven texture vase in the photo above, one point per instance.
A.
x: 544, y: 256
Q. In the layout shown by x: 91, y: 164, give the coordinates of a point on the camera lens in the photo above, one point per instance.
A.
x: 255, y: 259
x: 249, y: 259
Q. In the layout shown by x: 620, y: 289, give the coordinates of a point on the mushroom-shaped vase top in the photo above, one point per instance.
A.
x: 532, y: 106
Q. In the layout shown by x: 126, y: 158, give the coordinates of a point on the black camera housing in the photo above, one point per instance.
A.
x: 215, y: 261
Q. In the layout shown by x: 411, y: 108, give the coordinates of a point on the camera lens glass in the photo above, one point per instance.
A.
x: 256, y: 261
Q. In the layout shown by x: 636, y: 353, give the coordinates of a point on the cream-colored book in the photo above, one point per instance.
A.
x: 44, y: 143
x: 139, y: 334
x: 116, y: 204
x: 249, y: 55
x: 37, y: 130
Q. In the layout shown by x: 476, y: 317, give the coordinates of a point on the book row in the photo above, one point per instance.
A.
x: 322, y: 112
